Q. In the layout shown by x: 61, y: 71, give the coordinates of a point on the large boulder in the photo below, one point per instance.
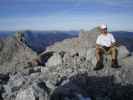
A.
x: 123, y: 52
x: 55, y: 60
x: 128, y: 61
x: 68, y: 45
x: 88, y: 38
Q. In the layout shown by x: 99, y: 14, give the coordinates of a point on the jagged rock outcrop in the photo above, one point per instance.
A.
x: 55, y: 60
x: 68, y: 45
x: 88, y: 38
x: 84, y: 47
x: 14, y: 53
x: 67, y: 74
x: 85, y: 40
x: 79, y: 57
x: 72, y: 80
x: 26, y: 87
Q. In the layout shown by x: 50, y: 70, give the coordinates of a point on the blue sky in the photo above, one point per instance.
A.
x: 65, y: 14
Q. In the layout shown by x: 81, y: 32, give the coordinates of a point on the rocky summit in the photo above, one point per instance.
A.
x: 64, y: 71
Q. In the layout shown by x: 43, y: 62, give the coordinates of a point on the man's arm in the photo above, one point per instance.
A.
x: 98, y: 46
x: 113, y: 40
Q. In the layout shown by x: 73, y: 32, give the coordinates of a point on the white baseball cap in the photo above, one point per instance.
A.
x: 103, y: 26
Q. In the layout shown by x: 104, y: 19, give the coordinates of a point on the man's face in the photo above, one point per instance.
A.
x: 104, y: 31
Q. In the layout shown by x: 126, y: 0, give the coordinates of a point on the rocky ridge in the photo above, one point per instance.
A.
x: 14, y: 53
x: 65, y: 72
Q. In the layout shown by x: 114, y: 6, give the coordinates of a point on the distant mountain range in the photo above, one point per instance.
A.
x: 126, y: 38
x: 123, y: 34
x: 39, y: 40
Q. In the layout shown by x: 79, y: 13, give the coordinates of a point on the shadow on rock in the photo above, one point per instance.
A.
x: 84, y: 87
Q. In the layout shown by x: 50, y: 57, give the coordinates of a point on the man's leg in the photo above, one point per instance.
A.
x: 114, y: 53
x: 98, y: 54
x: 99, y: 64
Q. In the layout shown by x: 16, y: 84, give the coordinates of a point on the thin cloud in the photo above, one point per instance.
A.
x: 122, y: 3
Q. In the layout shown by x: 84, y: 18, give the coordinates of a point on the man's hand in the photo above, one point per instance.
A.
x: 113, y: 44
x: 116, y: 44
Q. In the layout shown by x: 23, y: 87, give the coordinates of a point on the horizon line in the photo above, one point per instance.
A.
x: 60, y: 30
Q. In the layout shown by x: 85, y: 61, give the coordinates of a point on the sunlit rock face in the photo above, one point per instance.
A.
x: 85, y: 40
x: 88, y: 38
x: 14, y: 53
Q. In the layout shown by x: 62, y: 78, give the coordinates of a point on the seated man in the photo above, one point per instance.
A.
x: 105, y: 43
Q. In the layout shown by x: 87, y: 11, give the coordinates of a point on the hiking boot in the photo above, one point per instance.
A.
x: 115, y: 64
x: 99, y: 66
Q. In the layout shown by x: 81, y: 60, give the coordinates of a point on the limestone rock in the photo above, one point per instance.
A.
x: 14, y: 84
x: 14, y: 54
x: 123, y: 52
x: 55, y: 60
x: 26, y: 87
x: 91, y: 56
x: 128, y: 61
x: 88, y: 38
x: 26, y: 94
x: 68, y: 45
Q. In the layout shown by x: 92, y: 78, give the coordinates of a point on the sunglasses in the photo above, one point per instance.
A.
x: 104, y: 29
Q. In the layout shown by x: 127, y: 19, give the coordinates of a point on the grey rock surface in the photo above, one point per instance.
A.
x: 14, y: 54
x: 67, y: 73
x: 55, y: 60
x: 88, y: 38
x: 26, y: 94
x: 85, y: 40
x: 68, y: 45
x: 123, y: 52
x: 26, y: 87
